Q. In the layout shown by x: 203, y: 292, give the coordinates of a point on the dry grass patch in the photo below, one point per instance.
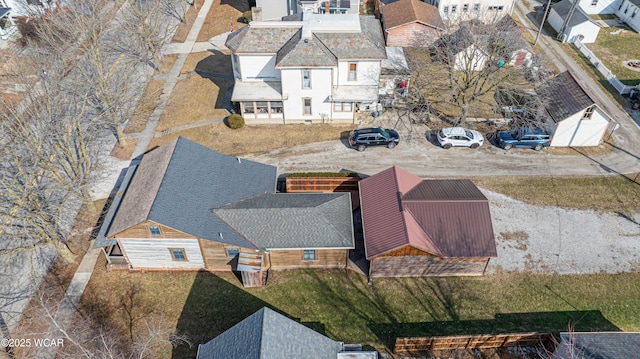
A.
x: 185, y: 27
x: 618, y: 194
x: 615, y: 50
x: 124, y: 152
x: 603, y: 148
x: 145, y: 107
x: 194, y: 99
x: 220, y: 15
x: 167, y: 63
x: 255, y: 138
x: 215, y: 62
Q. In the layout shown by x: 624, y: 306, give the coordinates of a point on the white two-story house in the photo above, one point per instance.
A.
x: 452, y: 11
x: 321, y: 68
x: 276, y: 9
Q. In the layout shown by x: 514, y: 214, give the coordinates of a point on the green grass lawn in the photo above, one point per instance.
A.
x: 203, y: 305
x: 614, y: 50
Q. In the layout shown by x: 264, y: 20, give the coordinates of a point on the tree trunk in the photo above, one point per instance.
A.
x: 122, y: 141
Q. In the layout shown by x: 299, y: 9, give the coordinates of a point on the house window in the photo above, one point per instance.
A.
x: 306, y: 79
x: 500, y: 8
x: 594, y: 2
x: 307, y: 106
x: 309, y: 255
x: 232, y: 252
x: 178, y: 254
x: 465, y: 7
x: 634, y: 13
x: 249, y: 107
x: 445, y: 10
x: 353, y: 69
x: 155, y: 231
x: 262, y: 107
x: 454, y: 8
x: 276, y: 106
x: 587, y: 113
x: 627, y: 9
x: 476, y: 6
x: 342, y: 106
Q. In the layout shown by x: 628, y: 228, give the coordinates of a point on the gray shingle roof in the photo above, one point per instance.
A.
x: 178, y: 184
x: 603, y: 345
x: 579, y: 16
x: 563, y: 96
x: 293, y: 220
x: 268, y: 335
x: 260, y: 40
x: 368, y: 44
x: 305, y: 52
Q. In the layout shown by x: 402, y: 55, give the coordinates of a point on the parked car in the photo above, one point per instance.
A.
x: 459, y: 137
x: 530, y: 137
x: 361, y: 138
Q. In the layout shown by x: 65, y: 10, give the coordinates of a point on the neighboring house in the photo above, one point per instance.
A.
x: 7, y: 26
x: 414, y: 227
x: 453, y: 11
x: 276, y: 9
x: 395, y: 76
x: 629, y: 12
x: 474, y: 44
x: 24, y: 8
x: 599, y: 6
x: 580, y: 27
x: 162, y: 216
x: 320, y: 69
x: 597, y: 345
x: 576, y: 120
x: 267, y: 334
x: 411, y: 23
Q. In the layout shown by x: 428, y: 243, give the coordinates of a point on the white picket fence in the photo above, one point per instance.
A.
x: 619, y: 86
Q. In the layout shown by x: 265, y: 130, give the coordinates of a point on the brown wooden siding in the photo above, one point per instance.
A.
x: 325, y: 184
x: 215, y: 256
x: 418, y: 266
x: 142, y: 231
x: 325, y: 258
x: 406, y: 251
x: 412, y: 35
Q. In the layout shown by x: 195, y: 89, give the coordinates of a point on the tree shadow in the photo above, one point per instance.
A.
x: 554, y: 322
x: 217, y: 68
x: 240, y: 5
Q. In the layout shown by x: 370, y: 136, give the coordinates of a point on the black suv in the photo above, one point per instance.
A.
x: 362, y: 137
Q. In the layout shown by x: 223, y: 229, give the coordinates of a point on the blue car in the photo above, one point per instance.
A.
x: 530, y: 137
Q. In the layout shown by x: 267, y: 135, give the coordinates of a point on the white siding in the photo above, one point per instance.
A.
x: 600, y: 7
x: 587, y: 29
x: 273, y: 9
x: 471, y: 58
x: 574, y: 131
x: 258, y: 67
x: 631, y: 9
x: 482, y: 14
x: 319, y: 93
x: 154, y: 252
x: 367, y: 73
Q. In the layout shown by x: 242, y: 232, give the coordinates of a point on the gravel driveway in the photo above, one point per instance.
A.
x: 543, y: 239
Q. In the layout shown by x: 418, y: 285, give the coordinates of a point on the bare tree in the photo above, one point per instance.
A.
x: 466, y: 65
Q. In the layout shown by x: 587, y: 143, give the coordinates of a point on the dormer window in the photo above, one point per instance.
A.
x: 588, y: 113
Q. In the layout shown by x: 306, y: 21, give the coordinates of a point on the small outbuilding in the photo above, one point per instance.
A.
x: 414, y: 227
x: 411, y: 23
x: 575, y: 118
x: 580, y: 27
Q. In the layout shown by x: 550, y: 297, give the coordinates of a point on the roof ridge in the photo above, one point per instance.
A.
x: 235, y: 230
x: 331, y: 223
x: 433, y: 242
x: 164, y: 171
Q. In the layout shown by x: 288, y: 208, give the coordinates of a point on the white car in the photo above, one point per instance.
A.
x: 459, y: 137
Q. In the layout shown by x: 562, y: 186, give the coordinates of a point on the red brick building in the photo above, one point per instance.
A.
x: 411, y: 23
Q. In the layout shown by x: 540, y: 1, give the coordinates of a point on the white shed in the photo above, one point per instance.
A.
x: 577, y: 120
x: 580, y: 27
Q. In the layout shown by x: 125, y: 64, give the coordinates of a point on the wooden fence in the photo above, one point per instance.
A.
x: 325, y: 184
x: 422, y: 344
x: 617, y: 84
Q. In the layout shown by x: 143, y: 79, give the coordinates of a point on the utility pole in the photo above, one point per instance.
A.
x: 574, y: 4
x: 544, y: 18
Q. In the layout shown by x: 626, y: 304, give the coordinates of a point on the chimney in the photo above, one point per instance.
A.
x: 327, y: 7
x: 256, y: 13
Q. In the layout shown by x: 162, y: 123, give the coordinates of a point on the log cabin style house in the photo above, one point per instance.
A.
x: 187, y: 207
x: 414, y: 227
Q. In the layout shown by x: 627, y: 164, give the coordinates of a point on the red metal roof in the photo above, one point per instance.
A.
x: 448, y: 218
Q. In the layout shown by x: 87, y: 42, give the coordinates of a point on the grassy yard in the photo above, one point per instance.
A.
x: 202, y: 305
x: 615, y: 50
x: 607, y: 193
x: 256, y: 138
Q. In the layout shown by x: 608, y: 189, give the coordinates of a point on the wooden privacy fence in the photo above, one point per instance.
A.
x: 322, y: 184
x: 421, y: 344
